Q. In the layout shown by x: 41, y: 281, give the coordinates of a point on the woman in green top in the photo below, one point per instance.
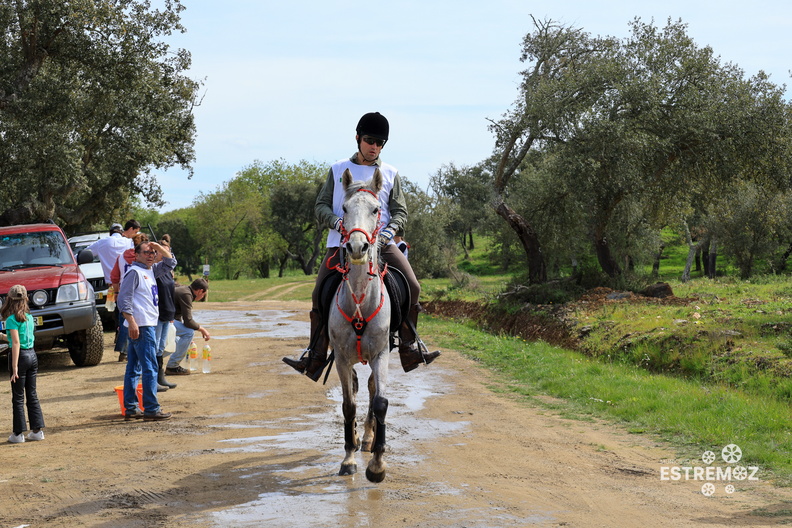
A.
x: 22, y: 364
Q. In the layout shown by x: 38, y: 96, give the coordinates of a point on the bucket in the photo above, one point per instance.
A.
x: 120, y: 394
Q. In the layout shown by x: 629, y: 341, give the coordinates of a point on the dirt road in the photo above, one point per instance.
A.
x: 254, y: 444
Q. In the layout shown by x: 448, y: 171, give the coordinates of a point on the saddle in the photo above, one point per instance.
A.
x: 395, y: 283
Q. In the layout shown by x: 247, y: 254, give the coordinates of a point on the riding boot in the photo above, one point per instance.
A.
x: 314, y: 358
x: 412, y: 350
x: 161, y: 379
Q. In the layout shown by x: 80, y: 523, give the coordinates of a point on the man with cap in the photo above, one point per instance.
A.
x: 108, y: 249
x: 371, y: 134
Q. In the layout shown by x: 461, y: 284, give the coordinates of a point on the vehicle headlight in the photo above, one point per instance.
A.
x: 77, y: 291
x: 39, y: 297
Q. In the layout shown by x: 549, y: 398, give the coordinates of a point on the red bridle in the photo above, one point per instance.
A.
x: 371, y: 238
x: 357, y: 320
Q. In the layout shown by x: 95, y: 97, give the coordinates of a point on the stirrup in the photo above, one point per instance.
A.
x: 428, y: 357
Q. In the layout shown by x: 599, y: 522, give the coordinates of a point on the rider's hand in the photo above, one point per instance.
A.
x: 386, y: 235
x: 338, y: 225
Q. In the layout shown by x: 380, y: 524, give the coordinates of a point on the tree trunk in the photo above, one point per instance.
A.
x: 604, y: 257
x: 656, y: 263
x: 712, y: 258
x: 692, y: 250
x: 471, y: 246
x: 537, y: 268
x: 705, y: 256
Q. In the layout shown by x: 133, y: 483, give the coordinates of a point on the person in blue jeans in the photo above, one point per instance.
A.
x: 22, y: 364
x: 167, y: 311
x: 137, y: 302
x: 186, y: 326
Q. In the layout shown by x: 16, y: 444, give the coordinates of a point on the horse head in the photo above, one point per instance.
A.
x: 361, y: 216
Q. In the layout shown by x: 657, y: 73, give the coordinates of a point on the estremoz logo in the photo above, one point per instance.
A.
x: 731, y: 454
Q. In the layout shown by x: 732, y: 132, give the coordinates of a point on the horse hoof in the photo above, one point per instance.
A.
x: 375, y: 477
x: 346, y: 470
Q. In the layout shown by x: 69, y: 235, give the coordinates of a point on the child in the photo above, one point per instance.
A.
x: 22, y: 364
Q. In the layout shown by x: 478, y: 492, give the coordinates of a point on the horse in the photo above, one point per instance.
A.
x: 359, y: 323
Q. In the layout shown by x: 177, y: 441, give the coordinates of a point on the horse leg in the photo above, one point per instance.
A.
x: 370, y: 425
x: 349, y: 386
x: 375, y: 472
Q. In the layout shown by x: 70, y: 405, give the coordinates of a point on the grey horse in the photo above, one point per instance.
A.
x: 359, y: 324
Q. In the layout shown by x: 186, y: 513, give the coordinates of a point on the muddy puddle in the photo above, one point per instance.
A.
x: 314, y: 491
x: 280, y: 324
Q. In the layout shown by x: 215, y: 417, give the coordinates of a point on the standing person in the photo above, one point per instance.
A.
x: 167, y: 313
x: 137, y: 302
x: 371, y: 134
x: 108, y: 249
x: 185, y: 324
x: 22, y: 364
x: 123, y: 262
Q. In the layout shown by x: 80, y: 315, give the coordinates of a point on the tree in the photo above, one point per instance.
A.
x: 91, y: 102
x: 290, y: 191
x: 469, y: 189
x: 556, y: 91
x: 293, y: 219
x: 632, y: 126
x: 230, y: 220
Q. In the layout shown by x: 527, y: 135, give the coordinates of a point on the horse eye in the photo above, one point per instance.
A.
x: 344, y: 208
x: 376, y: 210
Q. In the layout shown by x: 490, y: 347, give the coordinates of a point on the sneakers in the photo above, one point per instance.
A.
x: 16, y: 438
x: 133, y: 415
x: 34, y: 437
x: 158, y: 417
x: 122, y: 357
x: 177, y: 371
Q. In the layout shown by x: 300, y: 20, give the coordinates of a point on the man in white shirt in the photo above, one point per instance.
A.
x: 108, y: 249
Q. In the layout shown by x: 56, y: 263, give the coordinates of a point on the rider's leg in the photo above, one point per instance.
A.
x: 411, y: 349
x: 314, y: 358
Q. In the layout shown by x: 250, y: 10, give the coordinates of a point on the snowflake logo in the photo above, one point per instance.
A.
x: 731, y: 454
x: 708, y: 457
x: 740, y: 473
x: 729, y: 489
x: 708, y: 489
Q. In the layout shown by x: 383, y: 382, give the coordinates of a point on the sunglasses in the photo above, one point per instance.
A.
x: 150, y: 252
x: 374, y: 141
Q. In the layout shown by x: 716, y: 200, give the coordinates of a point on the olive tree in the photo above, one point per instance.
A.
x: 633, y: 124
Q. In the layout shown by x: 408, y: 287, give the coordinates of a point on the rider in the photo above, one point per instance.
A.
x: 371, y: 136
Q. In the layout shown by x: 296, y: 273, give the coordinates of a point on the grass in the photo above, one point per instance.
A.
x: 690, y: 415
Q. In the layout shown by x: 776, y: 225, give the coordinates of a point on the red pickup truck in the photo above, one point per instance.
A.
x: 60, y: 298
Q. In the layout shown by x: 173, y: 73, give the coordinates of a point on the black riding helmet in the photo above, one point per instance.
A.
x: 373, y: 124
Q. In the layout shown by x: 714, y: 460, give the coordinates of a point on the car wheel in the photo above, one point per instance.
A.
x: 86, y: 347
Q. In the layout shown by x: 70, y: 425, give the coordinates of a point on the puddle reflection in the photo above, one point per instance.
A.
x: 254, y: 323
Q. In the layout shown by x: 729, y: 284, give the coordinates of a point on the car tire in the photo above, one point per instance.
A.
x: 86, y: 347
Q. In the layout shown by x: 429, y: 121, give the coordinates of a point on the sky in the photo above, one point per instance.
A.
x: 289, y: 80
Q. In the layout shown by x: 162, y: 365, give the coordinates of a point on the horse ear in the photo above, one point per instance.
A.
x: 346, y: 178
x: 376, y: 181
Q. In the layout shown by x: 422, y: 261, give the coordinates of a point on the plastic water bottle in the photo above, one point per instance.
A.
x: 110, y: 303
x: 207, y: 359
x: 193, y: 352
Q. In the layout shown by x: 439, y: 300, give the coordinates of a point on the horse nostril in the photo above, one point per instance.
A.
x: 365, y: 248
